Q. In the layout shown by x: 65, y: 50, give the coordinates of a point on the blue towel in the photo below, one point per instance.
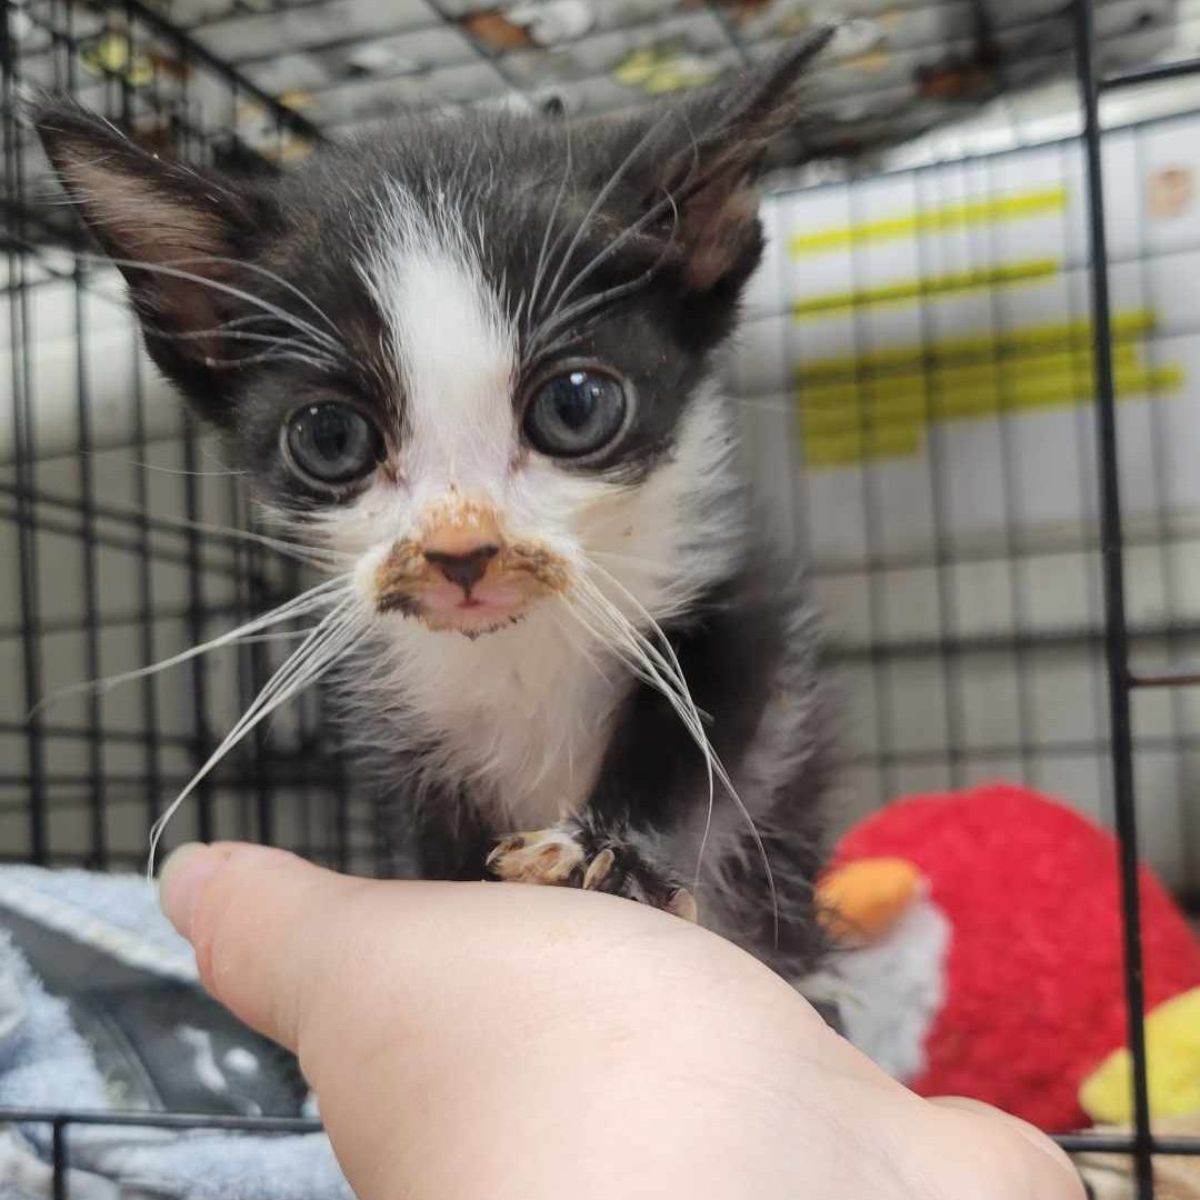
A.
x: 46, y: 1062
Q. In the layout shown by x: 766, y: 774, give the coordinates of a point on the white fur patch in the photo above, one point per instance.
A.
x: 516, y: 713
x: 455, y: 349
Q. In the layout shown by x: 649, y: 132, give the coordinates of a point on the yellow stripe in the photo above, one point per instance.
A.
x: 995, y: 209
x: 893, y: 426
x: 985, y: 347
x: 854, y: 447
x: 955, y: 392
x: 978, y: 280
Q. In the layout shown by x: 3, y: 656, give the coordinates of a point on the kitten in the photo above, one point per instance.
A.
x: 470, y: 365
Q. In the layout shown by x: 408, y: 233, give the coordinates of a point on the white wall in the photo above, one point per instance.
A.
x: 960, y: 569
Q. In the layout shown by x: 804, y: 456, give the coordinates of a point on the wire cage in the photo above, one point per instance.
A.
x: 104, y: 586
x: 1016, y: 621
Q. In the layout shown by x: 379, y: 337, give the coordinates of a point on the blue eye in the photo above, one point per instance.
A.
x: 576, y: 413
x: 333, y: 443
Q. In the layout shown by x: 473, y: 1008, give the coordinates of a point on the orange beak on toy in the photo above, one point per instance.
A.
x: 861, y: 901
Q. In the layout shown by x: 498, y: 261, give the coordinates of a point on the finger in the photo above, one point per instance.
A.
x: 1058, y: 1157
x: 250, y: 914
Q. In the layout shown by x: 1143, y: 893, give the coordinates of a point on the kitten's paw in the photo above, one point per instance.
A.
x: 547, y: 856
x: 569, y: 856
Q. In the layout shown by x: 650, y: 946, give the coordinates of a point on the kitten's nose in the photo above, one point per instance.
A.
x: 464, y: 567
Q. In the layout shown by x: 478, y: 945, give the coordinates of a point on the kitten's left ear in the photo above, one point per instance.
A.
x: 173, y: 231
x: 706, y: 153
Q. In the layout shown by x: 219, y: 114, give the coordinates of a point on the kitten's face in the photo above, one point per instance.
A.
x: 479, y: 450
x: 467, y: 359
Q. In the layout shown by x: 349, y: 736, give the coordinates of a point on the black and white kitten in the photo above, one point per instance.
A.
x: 470, y: 364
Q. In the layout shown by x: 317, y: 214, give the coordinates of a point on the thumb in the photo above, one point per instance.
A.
x: 253, y: 916
x: 1058, y: 1168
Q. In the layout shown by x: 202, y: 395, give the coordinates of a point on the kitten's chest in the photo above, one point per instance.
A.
x: 522, y: 716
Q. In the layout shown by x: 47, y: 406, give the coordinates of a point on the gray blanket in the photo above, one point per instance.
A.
x: 100, y: 1010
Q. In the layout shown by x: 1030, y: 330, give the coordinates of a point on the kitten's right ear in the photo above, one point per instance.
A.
x: 697, y: 159
x: 173, y: 231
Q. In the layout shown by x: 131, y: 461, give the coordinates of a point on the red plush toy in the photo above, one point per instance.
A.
x: 984, y: 950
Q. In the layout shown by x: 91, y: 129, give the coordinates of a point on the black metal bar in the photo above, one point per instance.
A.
x: 148, y: 737
x: 1062, y: 639
x: 58, y: 1139
x: 54, y: 525
x: 119, y: 860
x: 877, y: 589
x: 157, y: 1120
x: 1084, y: 1143
x: 197, y: 52
x: 904, y: 58
x: 195, y: 577
x: 326, y: 774
x: 984, y: 753
x: 259, y: 671
x: 1072, y: 1143
x: 953, y: 689
x: 162, y: 615
x: 1052, y: 546
x: 27, y: 560
x: 723, y: 17
x: 331, y: 738
x: 1180, y: 677
x: 303, y: 774
x: 87, y: 518
x: 1081, y: 1143
x: 1084, y: 445
x: 1165, y: 554
x: 1154, y: 74
x: 154, y: 737
x: 1013, y: 553
x: 114, y: 512
x: 1116, y: 632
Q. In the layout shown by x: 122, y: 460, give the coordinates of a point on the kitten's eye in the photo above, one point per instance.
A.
x: 333, y: 443
x: 576, y: 413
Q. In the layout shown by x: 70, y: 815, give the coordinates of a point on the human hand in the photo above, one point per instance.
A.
x: 468, y: 1040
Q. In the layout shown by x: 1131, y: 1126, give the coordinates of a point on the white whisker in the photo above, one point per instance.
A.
x: 320, y: 557
x: 542, y: 252
x: 648, y: 564
x: 237, y: 335
x: 319, y: 650
x: 577, y: 313
x: 175, y: 271
x: 602, y: 196
x: 145, y: 466
x: 602, y: 256
x: 661, y: 668
x: 316, y: 597
x: 287, y: 635
x: 582, y: 647
x: 279, y: 279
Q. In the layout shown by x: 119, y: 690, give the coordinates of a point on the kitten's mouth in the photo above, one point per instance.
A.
x: 470, y: 615
x: 515, y: 576
x: 491, y: 607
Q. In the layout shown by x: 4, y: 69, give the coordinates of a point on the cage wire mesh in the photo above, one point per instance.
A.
x: 917, y: 374
x: 120, y: 519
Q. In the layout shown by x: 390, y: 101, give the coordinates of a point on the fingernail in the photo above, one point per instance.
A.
x: 183, y: 876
